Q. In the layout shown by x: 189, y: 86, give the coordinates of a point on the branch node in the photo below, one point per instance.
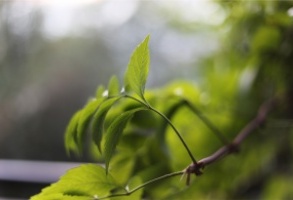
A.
x: 233, y: 148
x: 194, y: 168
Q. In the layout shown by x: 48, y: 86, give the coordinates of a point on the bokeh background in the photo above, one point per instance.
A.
x: 53, y: 55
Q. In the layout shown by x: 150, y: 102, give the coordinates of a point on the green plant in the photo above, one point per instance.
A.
x: 149, y: 137
x: 106, y: 118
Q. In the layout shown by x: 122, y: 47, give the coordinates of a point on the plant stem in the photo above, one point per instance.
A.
x: 144, y: 185
x: 169, y: 122
x: 208, y: 123
x: 259, y: 120
x: 177, y: 133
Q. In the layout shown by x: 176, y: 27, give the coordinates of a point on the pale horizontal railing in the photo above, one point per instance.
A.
x: 33, y: 171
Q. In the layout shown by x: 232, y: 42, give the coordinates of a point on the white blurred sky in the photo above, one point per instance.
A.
x: 62, y: 17
x: 171, y: 47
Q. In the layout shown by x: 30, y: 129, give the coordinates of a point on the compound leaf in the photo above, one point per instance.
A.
x: 86, y: 181
x: 137, y: 70
x: 114, y: 132
x: 97, y: 127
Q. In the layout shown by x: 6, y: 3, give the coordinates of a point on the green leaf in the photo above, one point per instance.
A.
x: 137, y: 70
x: 123, y: 162
x: 87, y: 180
x: 59, y: 197
x: 262, y: 36
x: 86, y: 114
x: 114, y: 132
x: 100, y: 91
x: 113, y: 87
x: 71, y: 134
x: 97, y: 127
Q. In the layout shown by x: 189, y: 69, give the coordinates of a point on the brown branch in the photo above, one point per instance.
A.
x: 195, y: 168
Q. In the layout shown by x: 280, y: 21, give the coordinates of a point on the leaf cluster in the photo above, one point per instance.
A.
x: 99, y: 119
x: 120, y: 116
x: 93, y: 116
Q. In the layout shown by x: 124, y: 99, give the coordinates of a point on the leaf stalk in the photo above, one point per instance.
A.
x: 166, y: 176
x: 169, y: 122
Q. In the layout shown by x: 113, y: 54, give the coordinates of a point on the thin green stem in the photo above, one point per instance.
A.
x: 177, y: 133
x: 144, y: 185
x: 169, y: 122
x: 144, y: 102
x: 208, y: 123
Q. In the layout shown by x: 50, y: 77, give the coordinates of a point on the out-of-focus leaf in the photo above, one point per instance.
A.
x: 97, y: 126
x: 113, y: 87
x: 114, y: 132
x: 122, y: 162
x: 100, y: 91
x: 71, y: 134
x: 137, y: 71
x: 86, y: 181
x: 266, y: 39
x: 85, y: 116
x: 279, y: 187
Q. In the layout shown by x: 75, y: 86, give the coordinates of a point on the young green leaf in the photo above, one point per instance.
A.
x: 86, y: 114
x: 97, y: 126
x: 71, y: 134
x: 87, y: 180
x: 99, y: 92
x: 113, y: 87
x: 114, y: 132
x: 137, y: 70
